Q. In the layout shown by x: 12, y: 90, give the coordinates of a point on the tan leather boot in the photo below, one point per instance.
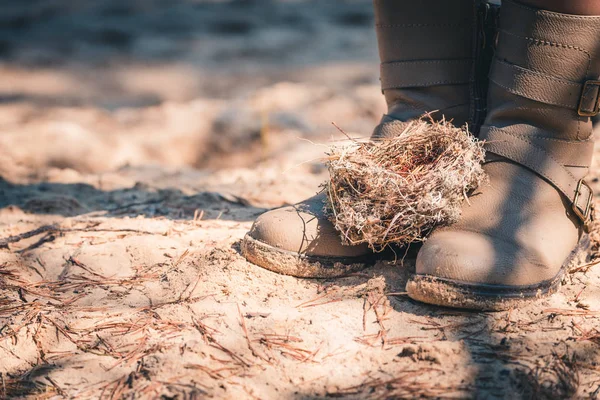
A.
x: 515, y: 238
x: 428, y: 51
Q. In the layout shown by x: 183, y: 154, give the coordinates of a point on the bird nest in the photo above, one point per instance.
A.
x: 396, y: 190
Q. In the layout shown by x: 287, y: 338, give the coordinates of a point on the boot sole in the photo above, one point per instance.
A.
x: 302, y: 266
x: 449, y: 293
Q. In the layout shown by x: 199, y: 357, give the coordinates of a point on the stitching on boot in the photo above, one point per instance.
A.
x: 547, y: 42
x: 559, y: 140
x: 588, y: 139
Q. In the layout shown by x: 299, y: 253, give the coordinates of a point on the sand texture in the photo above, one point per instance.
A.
x: 139, y: 140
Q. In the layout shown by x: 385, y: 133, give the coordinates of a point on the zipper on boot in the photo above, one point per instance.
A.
x: 485, y: 42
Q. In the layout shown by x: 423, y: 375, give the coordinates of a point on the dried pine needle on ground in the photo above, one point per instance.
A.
x: 395, y: 190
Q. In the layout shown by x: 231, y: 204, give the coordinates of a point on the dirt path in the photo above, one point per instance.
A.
x: 143, y: 291
x: 136, y: 192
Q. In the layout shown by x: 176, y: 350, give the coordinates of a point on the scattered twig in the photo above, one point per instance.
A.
x: 570, y: 312
x: 25, y: 235
x: 247, y: 335
x: 52, y: 229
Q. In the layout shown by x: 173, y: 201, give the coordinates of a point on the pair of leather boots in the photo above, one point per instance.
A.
x: 526, y: 81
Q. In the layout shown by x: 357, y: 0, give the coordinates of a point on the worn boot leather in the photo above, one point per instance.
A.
x: 518, y: 233
x: 428, y: 54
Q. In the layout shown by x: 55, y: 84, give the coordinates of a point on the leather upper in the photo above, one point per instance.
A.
x: 521, y: 228
x: 304, y: 229
x: 514, y: 232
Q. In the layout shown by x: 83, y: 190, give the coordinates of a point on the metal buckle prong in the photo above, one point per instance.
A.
x: 596, y: 110
x: 585, y: 214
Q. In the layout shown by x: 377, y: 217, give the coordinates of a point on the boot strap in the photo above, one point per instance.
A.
x: 583, y: 98
x: 549, y: 158
x: 425, y: 73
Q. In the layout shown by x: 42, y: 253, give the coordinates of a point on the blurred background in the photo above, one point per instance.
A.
x: 126, y: 91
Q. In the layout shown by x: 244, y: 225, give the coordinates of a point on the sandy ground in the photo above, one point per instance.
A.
x: 138, y: 141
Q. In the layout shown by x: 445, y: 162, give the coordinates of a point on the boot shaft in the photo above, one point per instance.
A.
x: 434, y: 57
x: 543, y: 90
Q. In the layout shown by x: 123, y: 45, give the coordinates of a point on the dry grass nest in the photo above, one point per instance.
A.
x: 396, y: 190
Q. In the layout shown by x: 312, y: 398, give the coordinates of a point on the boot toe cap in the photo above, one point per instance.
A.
x: 477, y: 258
x: 294, y: 230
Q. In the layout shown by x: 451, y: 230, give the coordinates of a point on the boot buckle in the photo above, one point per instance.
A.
x: 585, y: 111
x: 584, y: 214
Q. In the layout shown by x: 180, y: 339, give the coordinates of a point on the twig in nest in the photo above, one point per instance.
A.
x: 397, y: 189
x: 343, y: 131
